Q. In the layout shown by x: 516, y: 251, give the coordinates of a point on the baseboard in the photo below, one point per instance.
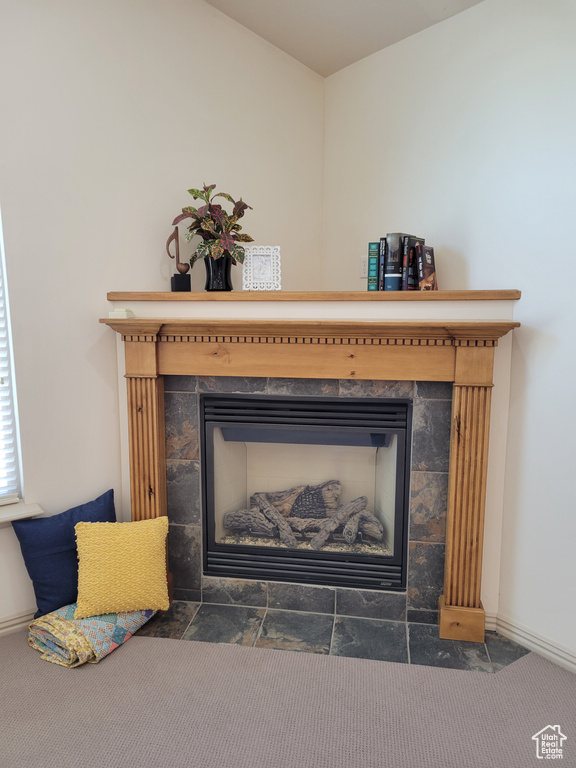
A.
x: 491, y: 619
x: 13, y: 623
x: 537, y: 643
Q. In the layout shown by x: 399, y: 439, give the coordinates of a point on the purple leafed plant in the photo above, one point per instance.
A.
x: 219, y: 230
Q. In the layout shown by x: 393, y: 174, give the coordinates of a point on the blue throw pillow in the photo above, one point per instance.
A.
x: 48, y: 547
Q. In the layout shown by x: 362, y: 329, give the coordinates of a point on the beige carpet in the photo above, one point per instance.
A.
x: 156, y: 702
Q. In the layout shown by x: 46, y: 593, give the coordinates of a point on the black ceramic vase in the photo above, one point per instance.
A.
x: 218, y: 277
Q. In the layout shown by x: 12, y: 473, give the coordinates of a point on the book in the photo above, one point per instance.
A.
x: 373, y: 259
x: 382, y: 263
x: 409, y: 279
x: 426, y: 268
x: 393, y: 262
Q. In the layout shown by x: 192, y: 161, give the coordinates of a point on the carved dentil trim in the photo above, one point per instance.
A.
x: 332, y: 341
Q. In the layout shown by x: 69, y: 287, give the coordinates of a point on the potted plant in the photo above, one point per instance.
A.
x: 220, y: 235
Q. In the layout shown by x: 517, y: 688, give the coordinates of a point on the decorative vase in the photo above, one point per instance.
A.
x: 218, y: 277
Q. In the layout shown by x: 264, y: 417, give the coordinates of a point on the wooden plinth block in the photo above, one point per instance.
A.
x: 457, y: 623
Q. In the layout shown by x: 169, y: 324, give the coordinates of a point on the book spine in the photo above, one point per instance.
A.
x: 419, y: 262
x: 412, y: 276
x: 426, y: 268
x: 405, y: 262
x: 382, y: 262
x: 373, y: 260
x: 393, y: 264
x: 409, y: 279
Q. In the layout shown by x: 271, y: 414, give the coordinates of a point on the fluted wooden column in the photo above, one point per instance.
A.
x: 147, y: 451
x: 145, y: 424
x: 462, y: 616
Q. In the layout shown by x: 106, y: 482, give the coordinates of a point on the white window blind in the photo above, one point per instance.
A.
x: 9, y: 452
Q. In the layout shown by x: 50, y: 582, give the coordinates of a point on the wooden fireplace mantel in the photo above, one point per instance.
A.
x: 349, y: 349
x: 313, y: 296
x: 461, y: 352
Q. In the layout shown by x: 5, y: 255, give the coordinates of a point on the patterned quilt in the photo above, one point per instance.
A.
x: 70, y: 642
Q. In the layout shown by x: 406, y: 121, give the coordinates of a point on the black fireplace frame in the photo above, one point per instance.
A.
x: 317, y: 414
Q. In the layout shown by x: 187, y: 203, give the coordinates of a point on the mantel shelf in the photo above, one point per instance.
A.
x: 427, y: 296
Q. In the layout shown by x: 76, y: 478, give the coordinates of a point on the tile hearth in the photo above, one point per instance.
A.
x: 330, y: 634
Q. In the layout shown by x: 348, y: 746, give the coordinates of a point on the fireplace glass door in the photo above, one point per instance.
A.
x: 306, y: 489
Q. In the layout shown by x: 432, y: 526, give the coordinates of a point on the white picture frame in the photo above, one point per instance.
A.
x: 261, y: 270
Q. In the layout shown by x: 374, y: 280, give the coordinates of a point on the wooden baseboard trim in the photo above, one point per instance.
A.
x: 457, y: 623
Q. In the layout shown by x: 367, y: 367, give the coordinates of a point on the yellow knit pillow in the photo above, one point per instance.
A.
x: 121, y: 567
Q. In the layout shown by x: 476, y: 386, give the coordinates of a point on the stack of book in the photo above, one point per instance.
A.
x: 401, y: 262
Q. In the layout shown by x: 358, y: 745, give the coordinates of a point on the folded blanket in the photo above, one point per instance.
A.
x: 70, y: 642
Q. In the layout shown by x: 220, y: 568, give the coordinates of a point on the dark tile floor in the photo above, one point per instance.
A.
x: 382, y: 640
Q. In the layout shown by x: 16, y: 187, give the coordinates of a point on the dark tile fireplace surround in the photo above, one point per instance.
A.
x: 428, y: 500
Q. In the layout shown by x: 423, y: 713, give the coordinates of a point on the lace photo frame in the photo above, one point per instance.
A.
x: 261, y: 269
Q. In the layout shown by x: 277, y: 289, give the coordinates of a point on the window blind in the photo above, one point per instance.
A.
x: 9, y: 452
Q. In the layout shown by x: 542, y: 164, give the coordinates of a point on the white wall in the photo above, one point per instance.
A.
x: 464, y: 135
x: 110, y: 112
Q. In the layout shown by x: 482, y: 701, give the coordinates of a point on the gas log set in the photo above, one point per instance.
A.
x: 306, y: 515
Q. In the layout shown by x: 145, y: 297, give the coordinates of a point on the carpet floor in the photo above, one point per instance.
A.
x: 156, y: 702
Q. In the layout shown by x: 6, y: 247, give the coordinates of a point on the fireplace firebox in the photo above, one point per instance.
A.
x: 309, y: 490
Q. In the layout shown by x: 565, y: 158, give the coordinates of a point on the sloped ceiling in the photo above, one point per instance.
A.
x: 328, y: 35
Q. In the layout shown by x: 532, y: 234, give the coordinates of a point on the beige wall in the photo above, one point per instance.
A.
x: 110, y: 112
x: 464, y: 134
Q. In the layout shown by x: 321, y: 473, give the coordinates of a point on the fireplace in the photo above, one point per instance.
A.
x: 354, y: 349
x: 307, y: 490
